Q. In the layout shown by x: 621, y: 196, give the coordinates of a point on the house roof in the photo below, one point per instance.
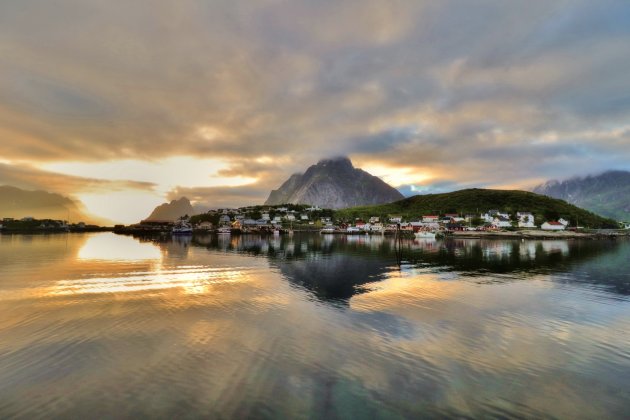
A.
x: 555, y: 223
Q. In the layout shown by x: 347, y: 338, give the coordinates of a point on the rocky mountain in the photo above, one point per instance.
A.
x: 607, y: 194
x: 18, y: 203
x: 173, y: 210
x: 334, y: 183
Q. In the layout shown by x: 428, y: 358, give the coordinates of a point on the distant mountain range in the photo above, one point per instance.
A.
x: 18, y: 203
x: 607, y: 194
x: 335, y: 184
x: 475, y: 201
x: 173, y: 210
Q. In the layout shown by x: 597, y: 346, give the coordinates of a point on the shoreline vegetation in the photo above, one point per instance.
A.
x: 516, y: 234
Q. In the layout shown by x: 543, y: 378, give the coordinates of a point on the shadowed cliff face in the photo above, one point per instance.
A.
x: 607, y: 194
x: 173, y: 210
x: 18, y: 203
x: 334, y: 183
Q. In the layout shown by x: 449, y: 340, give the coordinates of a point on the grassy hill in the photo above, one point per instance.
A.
x: 476, y: 201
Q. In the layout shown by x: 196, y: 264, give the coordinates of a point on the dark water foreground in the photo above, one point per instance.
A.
x: 106, y: 326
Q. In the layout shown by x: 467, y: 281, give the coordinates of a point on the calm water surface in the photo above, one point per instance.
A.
x: 106, y: 326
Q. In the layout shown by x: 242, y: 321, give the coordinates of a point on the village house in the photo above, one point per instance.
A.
x: 492, y: 214
x: 224, y: 219
x: 454, y: 217
x: 501, y: 222
x: 374, y: 219
x: 290, y: 217
x: 314, y: 208
x: 265, y: 216
x: 525, y: 220
x: 304, y: 216
x: 430, y: 218
x: 395, y: 219
x: 553, y: 225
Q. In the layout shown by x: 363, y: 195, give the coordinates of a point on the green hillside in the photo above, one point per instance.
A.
x: 476, y: 201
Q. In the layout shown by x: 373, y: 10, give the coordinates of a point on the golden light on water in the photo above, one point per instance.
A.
x: 111, y: 249
x: 117, y: 248
x: 197, y: 280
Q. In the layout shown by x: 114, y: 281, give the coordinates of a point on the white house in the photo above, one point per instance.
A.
x: 376, y: 227
x: 314, y: 208
x: 501, y: 222
x: 224, y: 219
x: 564, y: 222
x: 265, y: 216
x: 395, y: 219
x: 290, y: 217
x: 552, y: 226
x: 375, y: 219
x: 304, y: 217
x: 525, y: 220
x: 430, y: 218
x: 493, y: 214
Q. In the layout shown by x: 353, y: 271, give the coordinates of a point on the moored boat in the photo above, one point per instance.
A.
x: 182, y: 227
x: 224, y: 230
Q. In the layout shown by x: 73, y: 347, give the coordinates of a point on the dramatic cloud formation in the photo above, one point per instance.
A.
x: 431, y: 96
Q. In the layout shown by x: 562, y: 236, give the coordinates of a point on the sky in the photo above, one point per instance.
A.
x: 125, y: 105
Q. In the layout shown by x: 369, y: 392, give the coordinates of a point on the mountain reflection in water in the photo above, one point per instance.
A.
x: 334, y: 268
x: 312, y: 326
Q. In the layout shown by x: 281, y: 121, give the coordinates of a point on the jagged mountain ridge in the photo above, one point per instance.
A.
x: 334, y: 183
x: 173, y: 210
x: 607, y: 194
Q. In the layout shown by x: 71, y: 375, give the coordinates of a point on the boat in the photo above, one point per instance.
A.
x: 182, y: 227
x: 353, y: 229
x: 425, y: 234
x: 224, y: 230
x: 327, y: 230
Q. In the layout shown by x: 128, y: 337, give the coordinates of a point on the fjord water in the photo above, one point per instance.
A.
x: 100, y: 325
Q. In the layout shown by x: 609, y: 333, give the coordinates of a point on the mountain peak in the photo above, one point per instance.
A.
x: 606, y: 194
x: 173, y: 210
x: 334, y: 183
x: 338, y: 160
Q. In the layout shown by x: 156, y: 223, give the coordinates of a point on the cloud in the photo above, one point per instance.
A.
x: 488, y: 93
x: 28, y: 177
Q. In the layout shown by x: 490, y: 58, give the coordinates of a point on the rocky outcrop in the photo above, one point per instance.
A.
x: 334, y: 183
x: 173, y: 210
